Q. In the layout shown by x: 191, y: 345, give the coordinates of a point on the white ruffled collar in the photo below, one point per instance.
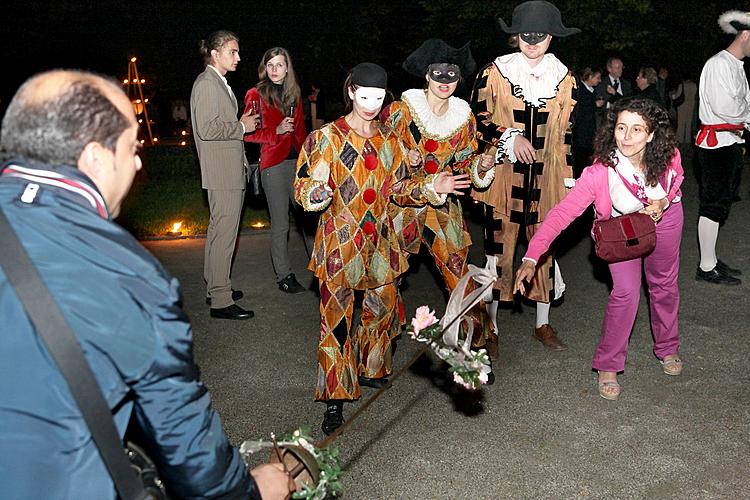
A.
x: 533, y: 85
x: 433, y: 126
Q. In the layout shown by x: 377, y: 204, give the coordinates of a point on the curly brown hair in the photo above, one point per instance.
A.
x: 659, y: 151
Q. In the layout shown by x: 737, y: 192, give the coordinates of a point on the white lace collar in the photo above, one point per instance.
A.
x: 433, y: 126
x: 533, y: 85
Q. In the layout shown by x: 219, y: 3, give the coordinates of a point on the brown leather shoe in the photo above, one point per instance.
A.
x: 549, y: 339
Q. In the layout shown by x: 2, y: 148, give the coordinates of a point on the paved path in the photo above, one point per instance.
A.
x: 541, y: 431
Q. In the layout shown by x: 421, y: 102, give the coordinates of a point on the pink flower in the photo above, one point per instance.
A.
x: 460, y: 380
x: 423, y: 318
x: 482, y: 377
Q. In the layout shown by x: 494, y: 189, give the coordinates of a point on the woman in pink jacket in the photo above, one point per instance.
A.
x: 636, y: 146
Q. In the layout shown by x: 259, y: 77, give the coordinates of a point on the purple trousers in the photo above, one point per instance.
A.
x: 661, y: 268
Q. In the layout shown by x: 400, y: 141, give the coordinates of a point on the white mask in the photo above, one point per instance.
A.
x: 369, y: 98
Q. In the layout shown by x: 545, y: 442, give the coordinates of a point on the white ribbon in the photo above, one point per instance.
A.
x: 458, y: 304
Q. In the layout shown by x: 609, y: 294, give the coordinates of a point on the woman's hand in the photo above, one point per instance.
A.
x: 486, y: 162
x: 414, y: 157
x: 655, y: 208
x: 523, y: 149
x: 445, y: 182
x: 286, y: 126
x: 524, y: 273
x: 321, y: 193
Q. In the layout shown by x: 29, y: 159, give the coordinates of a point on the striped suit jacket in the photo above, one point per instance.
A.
x: 217, y: 133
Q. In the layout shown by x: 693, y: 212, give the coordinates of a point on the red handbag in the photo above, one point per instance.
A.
x: 625, y: 237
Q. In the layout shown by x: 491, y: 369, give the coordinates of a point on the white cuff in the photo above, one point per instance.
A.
x: 432, y: 196
x: 307, y: 203
x: 530, y: 260
x: 505, y: 147
x: 480, y: 182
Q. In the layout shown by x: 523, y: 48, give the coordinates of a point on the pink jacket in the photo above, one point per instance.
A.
x: 593, y: 186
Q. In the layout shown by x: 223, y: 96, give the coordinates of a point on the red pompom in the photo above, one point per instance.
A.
x: 431, y: 145
x: 431, y: 166
x: 369, y: 196
x: 368, y: 228
x: 371, y: 162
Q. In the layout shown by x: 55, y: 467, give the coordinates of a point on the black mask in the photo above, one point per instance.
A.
x: 444, y: 72
x: 533, y: 38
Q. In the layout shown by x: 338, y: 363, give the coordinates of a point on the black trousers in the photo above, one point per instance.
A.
x: 719, y: 173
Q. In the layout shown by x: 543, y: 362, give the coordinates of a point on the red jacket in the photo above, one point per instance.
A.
x: 275, y: 148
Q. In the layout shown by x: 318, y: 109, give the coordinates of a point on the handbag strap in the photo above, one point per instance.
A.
x: 50, y: 324
x: 632, y: 188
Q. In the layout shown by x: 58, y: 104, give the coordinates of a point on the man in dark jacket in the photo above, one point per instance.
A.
x: 72, y: 141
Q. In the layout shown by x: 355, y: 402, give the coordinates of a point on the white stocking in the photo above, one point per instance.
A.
x: 708, y: 233
x: 542, y: 313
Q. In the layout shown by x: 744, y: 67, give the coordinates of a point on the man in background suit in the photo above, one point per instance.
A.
x: 218, y: 140
x: 612, y: 86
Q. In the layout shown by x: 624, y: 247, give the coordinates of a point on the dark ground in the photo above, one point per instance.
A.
x: 541, y: 431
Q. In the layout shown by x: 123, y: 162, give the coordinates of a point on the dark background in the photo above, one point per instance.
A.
x: 326, y: 38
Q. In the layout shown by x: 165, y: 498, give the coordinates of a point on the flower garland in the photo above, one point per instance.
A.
x: 469, y: 368
x: 328, y: 461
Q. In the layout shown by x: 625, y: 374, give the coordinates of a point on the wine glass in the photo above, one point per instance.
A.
x: 255, y: 106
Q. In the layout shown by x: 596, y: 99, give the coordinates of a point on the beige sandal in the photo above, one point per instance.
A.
x: 671, y: 366
x: 610, y: 390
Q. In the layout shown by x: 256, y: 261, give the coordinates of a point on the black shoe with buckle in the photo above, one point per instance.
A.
x: 375, y: 383
x: 730, y: 271
x: 333, y: 418
x: 231, y: 312
x: 715, y: 276
x: 290, y: 285
x: 236, y: 295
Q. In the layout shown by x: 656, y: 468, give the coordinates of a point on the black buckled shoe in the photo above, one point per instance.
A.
x: 723, y: 268
x: 236, y: 295
x: 375, y: 383
x: 231, y: 312
x: 717, y: 277
x: 333, y: 418
x: 290, y: 285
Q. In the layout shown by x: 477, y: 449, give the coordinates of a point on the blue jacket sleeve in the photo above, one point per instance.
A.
x: 173, y: 407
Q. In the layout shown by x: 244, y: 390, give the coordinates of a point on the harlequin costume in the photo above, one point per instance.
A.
x: 446, y: 143
x: 356, y: 248
x: 511, y: 97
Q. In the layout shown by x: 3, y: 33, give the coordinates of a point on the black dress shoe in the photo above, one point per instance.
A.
x: 715, y: 276
x: 723, y: 268
x: 236, y: 295
x: 375, y: 383
x: 333, y: 418
x: 290, y: 285
x: 231, y: 312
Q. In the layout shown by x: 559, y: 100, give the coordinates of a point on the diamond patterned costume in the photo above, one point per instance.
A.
x: 507, y: 99
x: 356, y: 248
x: 446, y: 143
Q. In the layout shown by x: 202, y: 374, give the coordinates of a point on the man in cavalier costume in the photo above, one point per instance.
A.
x: 439, y: 131
x: 523, y: 102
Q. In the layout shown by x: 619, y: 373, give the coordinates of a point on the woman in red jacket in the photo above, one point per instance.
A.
x: 280, y: 133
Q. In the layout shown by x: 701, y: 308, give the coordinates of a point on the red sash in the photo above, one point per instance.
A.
x: 708, y: 132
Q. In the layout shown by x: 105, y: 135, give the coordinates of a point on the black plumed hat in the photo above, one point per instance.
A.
x: 537, y: 16
x: 369, y: 74
x: 435, y: 51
